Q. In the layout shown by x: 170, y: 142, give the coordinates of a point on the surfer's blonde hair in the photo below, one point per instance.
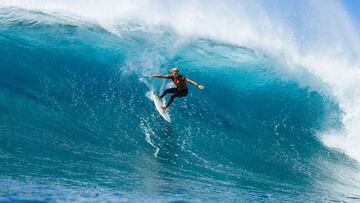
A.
x: 174, y: 70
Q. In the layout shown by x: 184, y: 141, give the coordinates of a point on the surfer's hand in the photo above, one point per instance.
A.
x: 201, y: 87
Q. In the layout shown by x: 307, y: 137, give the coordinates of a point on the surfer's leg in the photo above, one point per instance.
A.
x: 171, y: 90
x: 181, y: 93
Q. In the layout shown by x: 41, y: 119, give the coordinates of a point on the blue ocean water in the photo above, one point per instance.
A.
x: 77, y: 123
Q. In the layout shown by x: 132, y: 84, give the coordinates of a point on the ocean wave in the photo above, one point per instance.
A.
x: 74, y: 109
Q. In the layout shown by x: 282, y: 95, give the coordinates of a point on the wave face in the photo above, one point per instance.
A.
x: 77, y: 123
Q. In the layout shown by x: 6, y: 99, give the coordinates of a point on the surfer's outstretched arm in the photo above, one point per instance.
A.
x: 194, y: 83
x: 161, y: 76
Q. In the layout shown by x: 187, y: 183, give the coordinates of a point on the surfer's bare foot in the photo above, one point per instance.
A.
x: 163, y: 107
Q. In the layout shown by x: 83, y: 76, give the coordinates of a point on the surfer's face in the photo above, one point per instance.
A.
x: 175, y: 74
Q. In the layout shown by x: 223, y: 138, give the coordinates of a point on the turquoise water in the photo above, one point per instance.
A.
x: 77, y: 123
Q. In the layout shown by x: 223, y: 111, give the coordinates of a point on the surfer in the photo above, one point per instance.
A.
x: 180, y: 90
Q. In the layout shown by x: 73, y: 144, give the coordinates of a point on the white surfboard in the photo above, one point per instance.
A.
x: 158, y: 103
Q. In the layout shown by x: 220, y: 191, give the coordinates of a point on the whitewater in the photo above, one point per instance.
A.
x: 278, y: 121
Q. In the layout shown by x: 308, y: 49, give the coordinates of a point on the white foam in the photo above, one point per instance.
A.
x: 319, y: 36
x: 148, y: 134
